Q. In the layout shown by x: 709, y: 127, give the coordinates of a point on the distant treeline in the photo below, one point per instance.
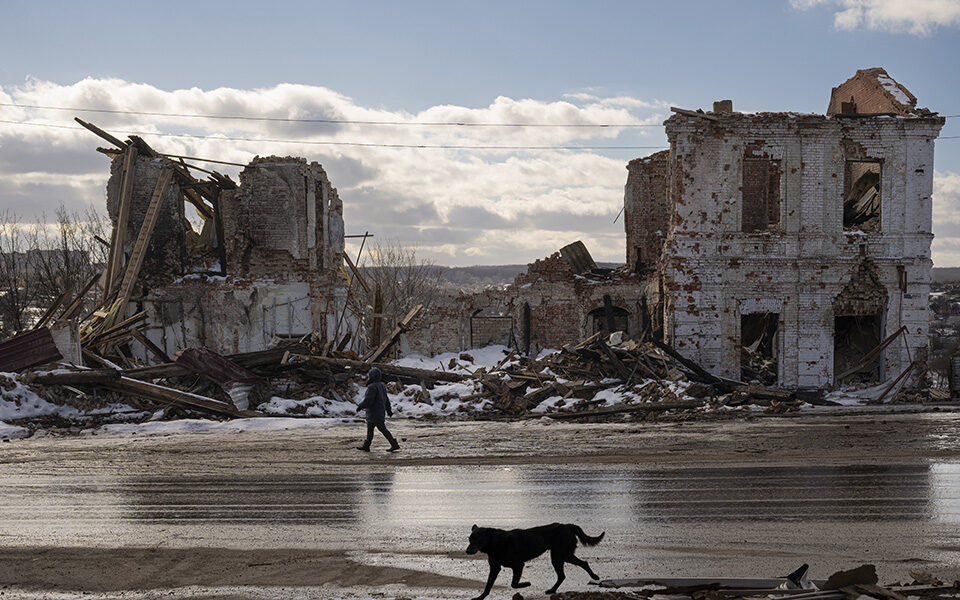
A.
x: 945, y: 274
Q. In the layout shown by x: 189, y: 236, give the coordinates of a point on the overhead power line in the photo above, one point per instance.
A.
x: 338, y: 143
x: 112, y: 111
x: 327, y: 121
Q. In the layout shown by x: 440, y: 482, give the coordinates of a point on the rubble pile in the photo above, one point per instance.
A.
x: 860, y: 582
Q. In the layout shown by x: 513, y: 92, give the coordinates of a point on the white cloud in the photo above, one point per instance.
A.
x: 459, y: 207
x: 918, y: 17
x: 946, y: 219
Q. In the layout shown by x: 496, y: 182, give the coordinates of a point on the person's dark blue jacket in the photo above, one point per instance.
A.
x: 375, y: 401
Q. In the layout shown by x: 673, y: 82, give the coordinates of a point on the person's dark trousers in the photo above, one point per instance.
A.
x: 383, y: 429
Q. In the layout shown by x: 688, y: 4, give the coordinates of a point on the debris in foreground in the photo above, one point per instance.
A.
x: 860, y: 582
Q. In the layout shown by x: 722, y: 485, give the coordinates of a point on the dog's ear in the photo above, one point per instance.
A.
x: 474, y: 527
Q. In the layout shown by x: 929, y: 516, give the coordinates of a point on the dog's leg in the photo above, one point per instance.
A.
x: 517, y: 572
x: 494, y: 571
x: 557, y: 561
x: 573, y: 560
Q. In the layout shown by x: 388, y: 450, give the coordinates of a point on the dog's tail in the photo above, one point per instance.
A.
x: 585, y: 539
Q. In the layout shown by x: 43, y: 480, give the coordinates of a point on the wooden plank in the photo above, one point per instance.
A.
x: 48, y: 314
x: 115, y: 260
x: 402, y: 326
x: 143, y: 238
x: 77, y: 303
x: 103, y: 134
x: 356, y: 273
x: 150, y: 346
x: 376, y: 329
x: 871, y: 356
x: 388, y: 369
x: 159, y: 393
x: 699, y: 371
x: 622, y: 369
x: 85, y: 377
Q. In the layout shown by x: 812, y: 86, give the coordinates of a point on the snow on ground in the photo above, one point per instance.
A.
x: 12, y: 432
x: 17, y: 401
x: 203, y: 425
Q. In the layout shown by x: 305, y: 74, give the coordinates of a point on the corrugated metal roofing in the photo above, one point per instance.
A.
x: 35, y: 347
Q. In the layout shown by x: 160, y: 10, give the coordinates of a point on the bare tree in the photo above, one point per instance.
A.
x: 404, y: 280
x: 39, y: 261
x: 68, y: 253
x: 16, y: 286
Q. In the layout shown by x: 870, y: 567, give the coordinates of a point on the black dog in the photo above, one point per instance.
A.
x: 513, y: 548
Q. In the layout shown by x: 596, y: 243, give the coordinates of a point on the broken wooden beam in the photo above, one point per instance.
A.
x: 162, y: 394
x: 402, y: 326
x: 86, y: 377
x: 388, y: 369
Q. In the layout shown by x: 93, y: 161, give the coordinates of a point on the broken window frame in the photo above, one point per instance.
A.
x: 760, y: 221
x: 847, y: 190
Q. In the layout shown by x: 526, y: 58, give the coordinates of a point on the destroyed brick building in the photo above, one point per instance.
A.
x: 799, y: 239
x: 778, y: 247
x: 265, y: 266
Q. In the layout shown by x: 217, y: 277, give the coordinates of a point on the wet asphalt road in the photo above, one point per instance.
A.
x: 301, y: 510
x: 683, y: 521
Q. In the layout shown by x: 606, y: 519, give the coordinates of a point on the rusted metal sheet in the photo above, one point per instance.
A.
x: 243, y: 386
x: 27, y: 350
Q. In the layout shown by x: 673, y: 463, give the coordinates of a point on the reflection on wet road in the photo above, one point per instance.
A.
x: 615, y: 497
x: 669, y: 516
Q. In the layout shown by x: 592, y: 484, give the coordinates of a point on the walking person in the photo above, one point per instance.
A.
x: 377, y: 404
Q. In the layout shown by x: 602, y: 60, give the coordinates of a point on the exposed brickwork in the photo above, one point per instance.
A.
x: 166, y: 255
x: 646, y: 215
x: 871, y: 91
x: 283, y: 237
x: 559, y: 301
x: 864, y: 295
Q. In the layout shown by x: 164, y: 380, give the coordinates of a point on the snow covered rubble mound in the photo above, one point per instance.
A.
x: 18, y: 402
x: 446, y: 399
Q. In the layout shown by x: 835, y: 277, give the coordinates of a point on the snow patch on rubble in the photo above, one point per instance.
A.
x: 17, y: 401
x: 851, y: 396
x: 891, y: 86
x: 488, y: 356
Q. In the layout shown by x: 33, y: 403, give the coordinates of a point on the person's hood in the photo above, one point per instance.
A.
x: 374, y: 375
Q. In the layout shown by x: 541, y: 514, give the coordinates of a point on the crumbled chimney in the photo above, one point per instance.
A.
x: 723, y: 106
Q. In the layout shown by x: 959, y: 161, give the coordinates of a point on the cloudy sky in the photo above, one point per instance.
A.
x: 412, y: 63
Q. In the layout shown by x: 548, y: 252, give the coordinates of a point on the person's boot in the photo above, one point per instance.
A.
x: 393, y: 447
x: 363, y: 448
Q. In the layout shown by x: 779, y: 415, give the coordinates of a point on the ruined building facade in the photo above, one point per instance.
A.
x: 264, y: 266
x: 797, y: 240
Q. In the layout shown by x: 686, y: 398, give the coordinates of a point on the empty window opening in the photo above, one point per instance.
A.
x: 759, y: 347
x: 854, y: 339
x: 600, y: 323
x: 760, y: 195
x: 861, y: 195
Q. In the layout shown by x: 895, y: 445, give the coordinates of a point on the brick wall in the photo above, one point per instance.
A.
x: 713, y: 272
x: 166, y: 252
x: 867, y: 91
x: 646, y: 214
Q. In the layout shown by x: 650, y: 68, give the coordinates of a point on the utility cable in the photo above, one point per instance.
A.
x: 333, y: 143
